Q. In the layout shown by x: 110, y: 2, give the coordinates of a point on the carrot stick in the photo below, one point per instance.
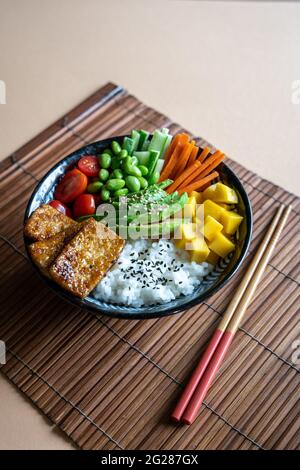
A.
x: 193, y: 156
x: 211, y: 167
x: 191, y: 169
x: 178, y: 137
x: 208, y: 162
x: 170, y: 165
x: 171, y: 147
x: 198, y: 184
x: 182, y: 160
x: 203, y: 154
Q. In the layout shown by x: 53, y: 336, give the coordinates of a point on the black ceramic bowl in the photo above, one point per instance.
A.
x: 44, y: 191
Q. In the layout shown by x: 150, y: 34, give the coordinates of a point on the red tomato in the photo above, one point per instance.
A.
x: 89, y: 165
x: 84, y: 204
x: 61, y: 207
x: 70, y: 186
x: 97, y: 199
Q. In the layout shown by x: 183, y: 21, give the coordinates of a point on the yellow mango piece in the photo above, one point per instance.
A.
x: 197, y: 196
x: 184, y: 234
x: 200, y: 250
x: 231, y: 221
x: 221, y: 245
x: 212, y: 258
x: 219, y: 192
x: 188, y: 231
x: 211, y: 227
x: 211, y: 208
x: 189, y: 209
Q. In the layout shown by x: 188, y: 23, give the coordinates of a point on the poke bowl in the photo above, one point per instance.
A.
x: 149, y: 276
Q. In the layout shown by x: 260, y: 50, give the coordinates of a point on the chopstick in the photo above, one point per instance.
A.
x: 193, y: 395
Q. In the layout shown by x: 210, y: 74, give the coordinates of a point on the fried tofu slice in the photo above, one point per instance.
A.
x: 45, y: 222
x: 44, y: 252
x: 85, y: 260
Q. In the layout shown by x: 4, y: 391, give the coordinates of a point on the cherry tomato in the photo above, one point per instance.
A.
x: 61, y: 207
x: 89, y: 165
x: 97, y: 199
x: 84, y: 204
x: 70, y: 186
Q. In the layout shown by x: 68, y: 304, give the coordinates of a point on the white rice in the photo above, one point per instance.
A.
x: 149, y: 273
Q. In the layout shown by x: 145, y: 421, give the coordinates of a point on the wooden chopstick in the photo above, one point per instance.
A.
x: 198, y: 396
x: 203, y: 363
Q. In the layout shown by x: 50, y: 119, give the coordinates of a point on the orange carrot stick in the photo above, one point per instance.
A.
x: 195, y: 175
x: 171, y: 147
x: 169, y: 166
x: 203, y: 154
x: 182, y: 160
x: 183, y: 138
x: 198, y: 184
x: 193, y: 156
x: 211, y: 167
x: 188, y: 171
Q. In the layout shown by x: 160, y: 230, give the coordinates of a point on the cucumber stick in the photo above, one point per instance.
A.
x: 159, y: 165
x: 143, y: 138
x: 135, y: 138
x: 143, y: 157
x: 153, y: 158
x: 167, y: 143
x: 127, y: 144
x: 158, y: 141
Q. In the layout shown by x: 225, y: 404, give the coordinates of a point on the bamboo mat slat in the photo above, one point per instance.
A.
x: 110, y: 383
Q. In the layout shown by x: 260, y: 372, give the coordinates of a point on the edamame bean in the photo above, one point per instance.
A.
x: 122, y: 154
x: 103, y: 174
x: 134, y: 160
x: 131, y: 169
x: 94, y: 187
x: 116, y: 147
x: 143, y: 169
x: 105, y: 194
x: 117, y: 174
x: 154, y: 177
x: 108, y: 150
x: 115, y: 163
x: 132, y: 183
x: 121, y: 192
x: 143, y: 182
x: 105, y: 160
x: 115, y: 184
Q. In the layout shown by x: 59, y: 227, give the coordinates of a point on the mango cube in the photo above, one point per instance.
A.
x: 189, y: 209
x: 221, y: 245
x: 211, y: 227
x: 219, y: 192
x: 231, y: 221
x: 200, y: 250
x: 188, y: 231
x: 212, y: 258
x: 213, y: 209
x: 197, y: 196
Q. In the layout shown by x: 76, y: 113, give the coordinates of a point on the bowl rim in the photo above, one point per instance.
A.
x: 146, y: 313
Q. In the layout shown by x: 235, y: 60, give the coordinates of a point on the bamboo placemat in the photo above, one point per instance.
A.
x: 111, y: 384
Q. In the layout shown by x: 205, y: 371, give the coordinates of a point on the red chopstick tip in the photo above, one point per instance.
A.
x: 174, y: 419
x: 187, y: 421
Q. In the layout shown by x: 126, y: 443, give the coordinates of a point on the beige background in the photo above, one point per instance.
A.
x: 225, y: 70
